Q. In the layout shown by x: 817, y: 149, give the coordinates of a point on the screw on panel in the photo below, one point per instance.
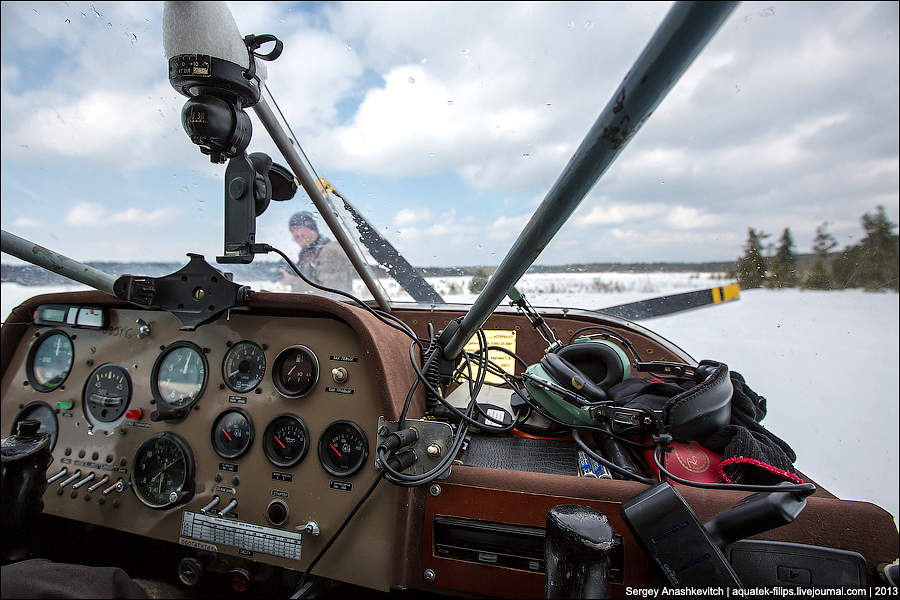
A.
x: 434, y: 490
x: 429, y: 575
x: 383, y: 431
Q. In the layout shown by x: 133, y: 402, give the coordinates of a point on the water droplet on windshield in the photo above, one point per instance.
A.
x: 465, y: 52
x: 767, y: 12
x: 349, y: 48
x: 450, y: 102
x: 423, y: 61
x: 96, y: 12
x: 68, y: 21
x: 588, y: 25
x: 571, y: 24
x: 411, y: 79
x: 526, y: 155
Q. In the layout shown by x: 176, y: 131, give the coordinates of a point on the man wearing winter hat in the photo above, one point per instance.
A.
x: 320, y: 259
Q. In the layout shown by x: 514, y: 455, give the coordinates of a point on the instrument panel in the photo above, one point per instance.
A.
x: 249, y: 422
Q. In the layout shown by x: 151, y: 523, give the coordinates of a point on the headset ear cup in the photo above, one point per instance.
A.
x: 568, y: 376
x: 603, y: 362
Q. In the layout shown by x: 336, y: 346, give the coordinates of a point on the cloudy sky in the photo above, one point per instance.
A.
x: 447, y: 123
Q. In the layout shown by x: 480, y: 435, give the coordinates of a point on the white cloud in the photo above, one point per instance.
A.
x: 91, y: 214
x: 507, y: 228
x: 408, y: 216
x: 686, y: 217
x: 26, y: 222
x: 611, y: 214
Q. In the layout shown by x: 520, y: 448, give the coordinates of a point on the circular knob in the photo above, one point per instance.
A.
x: 189, y: 571
x: 277, y: 512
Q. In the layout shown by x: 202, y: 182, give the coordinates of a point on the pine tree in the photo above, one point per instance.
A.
x: 784, y: 265
x: 751, y: 268
x: 879, y: 250
x: 818, y: 277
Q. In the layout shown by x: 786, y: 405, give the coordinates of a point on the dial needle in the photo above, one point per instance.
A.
x: 336, y: 450
x: 279, y: 441
x: 226, y: 435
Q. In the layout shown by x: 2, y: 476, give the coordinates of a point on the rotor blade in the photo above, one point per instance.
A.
x: 673, y: 303
x: 388, y: 256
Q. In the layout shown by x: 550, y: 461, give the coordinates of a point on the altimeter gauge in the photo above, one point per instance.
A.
x: 179, y: 375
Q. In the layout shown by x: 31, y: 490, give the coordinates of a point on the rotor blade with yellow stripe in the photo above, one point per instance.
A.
x: 667, y: 305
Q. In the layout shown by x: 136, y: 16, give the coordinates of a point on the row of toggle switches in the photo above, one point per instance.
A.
x: 119, y: 486
x: 208, y: 509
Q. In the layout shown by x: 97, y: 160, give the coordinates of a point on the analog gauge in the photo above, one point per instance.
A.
x: 179, y: 375
x: 39, y: 411
x: 244, y: 367
x: 286, y: 441
x: 343, y: 448
x: 107, y: 393
x: 295, y: 371
x: 49, y: 361
x: 232, y: 433
x: 163, y: 474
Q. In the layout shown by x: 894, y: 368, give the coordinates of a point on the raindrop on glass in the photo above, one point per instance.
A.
x: 68, y: 21
x: 465, y: 52
x: 571, y: 25
x: 526, y: 155
x: 450, y: 102
x: 411, y: 79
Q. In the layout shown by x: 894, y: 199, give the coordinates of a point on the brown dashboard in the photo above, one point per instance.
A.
x: 363, y: 373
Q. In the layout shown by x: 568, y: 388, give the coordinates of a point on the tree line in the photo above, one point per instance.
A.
x: 871, y: 264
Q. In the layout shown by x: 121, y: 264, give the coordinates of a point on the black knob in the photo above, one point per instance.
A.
x: 577, y: 546
x: 28, y: 428
x: 277, y: 512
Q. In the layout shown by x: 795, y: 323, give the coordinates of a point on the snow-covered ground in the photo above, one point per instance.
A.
x: 826, y: 361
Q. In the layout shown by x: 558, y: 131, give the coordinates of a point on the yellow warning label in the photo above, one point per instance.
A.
x: 504, y: 338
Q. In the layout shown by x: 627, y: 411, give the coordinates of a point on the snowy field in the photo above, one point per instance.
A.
x: 826, y: 361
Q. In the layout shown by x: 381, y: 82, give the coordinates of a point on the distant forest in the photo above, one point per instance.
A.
x: 871, y: 264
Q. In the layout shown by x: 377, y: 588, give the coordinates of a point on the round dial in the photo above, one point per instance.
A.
x: 232, y: 433
x: 295, y: 372
x: 343, y: 448
x: 179, y: 375
x: 107, y: 393
x: 49, y: 361
x: 39, y: 411
x: 163, y: 474
x: 244, y: 367
x: 286, y: 441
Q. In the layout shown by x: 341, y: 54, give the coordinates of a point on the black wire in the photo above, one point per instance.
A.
x: 381, y: 316
x: 609, y: 464
x: 804, y: 488
x: 335, y: 535
x: 609, y: 333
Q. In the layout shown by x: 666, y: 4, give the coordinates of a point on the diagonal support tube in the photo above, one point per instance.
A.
x: 57, y: 263
x: 267, y: 117
x: 676, y: 43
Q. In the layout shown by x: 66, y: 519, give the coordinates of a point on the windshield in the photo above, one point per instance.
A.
x: 444, y: 125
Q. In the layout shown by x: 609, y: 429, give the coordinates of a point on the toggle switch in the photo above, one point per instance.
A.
x: 228, y: 508
x: 118, y: 486
x: 58, y: 476
x: 84, y: 481
x: 72, y: 478
x: 98, y: 485
x: 212, y: 504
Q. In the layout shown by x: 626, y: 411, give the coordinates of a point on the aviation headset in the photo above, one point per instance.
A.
x: 588, y: 368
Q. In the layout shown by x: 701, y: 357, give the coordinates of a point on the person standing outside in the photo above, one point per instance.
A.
x: 321, y: 260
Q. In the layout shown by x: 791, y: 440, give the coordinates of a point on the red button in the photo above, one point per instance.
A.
x: 134, y: 413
